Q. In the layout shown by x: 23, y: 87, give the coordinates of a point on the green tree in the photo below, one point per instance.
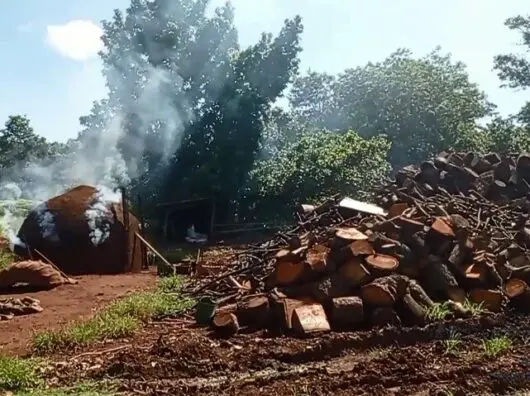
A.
x: 190, y: 102
x: 20, y: 145
x: 419, y: 104
x: 321, y: 164
x: 514, y: 69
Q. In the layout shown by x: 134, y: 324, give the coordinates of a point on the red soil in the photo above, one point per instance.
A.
x: 66, y: 304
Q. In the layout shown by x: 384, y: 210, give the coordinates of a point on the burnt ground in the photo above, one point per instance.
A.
x: 67, y: 303
x: 175, y: 358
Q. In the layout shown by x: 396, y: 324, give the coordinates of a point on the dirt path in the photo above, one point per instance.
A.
x: 68, y: 303
x: 175, y: 359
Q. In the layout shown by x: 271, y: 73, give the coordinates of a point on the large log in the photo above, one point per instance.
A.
x: 518, y: 292
x: 415, y: 304
x: 384, y: 291
x: 347, y: 311
x: 354, y: 273
x: 440, y: 282
x: 225, y: 324
x: 254, y: 311
x: 310, y: 319
x: 489, y: 298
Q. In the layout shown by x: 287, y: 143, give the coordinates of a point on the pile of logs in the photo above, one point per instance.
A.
x: 454, y: 231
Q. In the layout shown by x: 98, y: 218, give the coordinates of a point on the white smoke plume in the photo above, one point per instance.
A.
x: 109, y: 157
x: 46, y: 221
x: 99, y: 216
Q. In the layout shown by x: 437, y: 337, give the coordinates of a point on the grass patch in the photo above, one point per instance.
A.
x: 474, y: 308
x: 496, y: 346
x: 82, y: 389
x: 453, y: 343
x: 439, y: 311
x: 6, y: 258
x: 119, y: 319
x: 17, y: 373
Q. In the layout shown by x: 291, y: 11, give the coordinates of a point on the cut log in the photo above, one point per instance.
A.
x: 384, y: 291
x: 415, y: 304
x: 317, y: 258
x: 381, y: 263
x: 440, y: 282
x: 409, y: 226
x: 282, y: 310
x: 288, y: 273
x: 345, y: 236
x: 384, y: 316
x: 287, y: 255
x: 310, y: 319
x: 522, y: 273
x: 347, y: 311
x: 397, y: 209
x: 519, y: 294
x: 489, y: 298
x: 360, y: 248
x: 321, y: 290
x: 443, y: 226
x: 225, y: 324
x: 354, y: 273
x: 254, y: 312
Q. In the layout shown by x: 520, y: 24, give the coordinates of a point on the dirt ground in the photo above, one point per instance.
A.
x: 67, y: 303
x: 175, y: 358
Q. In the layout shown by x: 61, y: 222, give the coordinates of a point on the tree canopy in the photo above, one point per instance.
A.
x: 190, y: 112
x: 189, y: 101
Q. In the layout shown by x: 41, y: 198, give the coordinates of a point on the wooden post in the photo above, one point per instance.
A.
x: 125, y: 210
x: 212, y: 219
x: 142, y: 232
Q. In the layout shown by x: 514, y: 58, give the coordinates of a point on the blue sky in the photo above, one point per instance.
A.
x: 50, y: 72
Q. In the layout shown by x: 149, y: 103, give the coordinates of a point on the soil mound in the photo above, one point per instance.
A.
x: 82, y: 232
x: 34, y: 274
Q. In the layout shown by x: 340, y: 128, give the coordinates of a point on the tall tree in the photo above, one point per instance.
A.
x: 20, y: 145
x: 420, y: 104
x: 186, y: 103
x: 514, y: 69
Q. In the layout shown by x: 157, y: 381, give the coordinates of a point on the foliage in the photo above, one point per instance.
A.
x: 320, y: 164
x: 120, y: 319
x: 17, y: 373
x: 211, y: 96
x: 19, y: 144
x: 420, y: 104
x: 514, y: 69
x: 496, y: 346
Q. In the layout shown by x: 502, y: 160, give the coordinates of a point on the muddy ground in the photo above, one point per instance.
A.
x: 175, y: 358
x: 66, y: 304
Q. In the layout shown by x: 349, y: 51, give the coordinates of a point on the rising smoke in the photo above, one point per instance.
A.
x: 109, y: 156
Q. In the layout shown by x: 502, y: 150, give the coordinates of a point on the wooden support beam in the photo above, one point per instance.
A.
x: 151, y: 248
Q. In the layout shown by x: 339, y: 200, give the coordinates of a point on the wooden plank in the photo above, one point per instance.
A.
x: 151, y: 248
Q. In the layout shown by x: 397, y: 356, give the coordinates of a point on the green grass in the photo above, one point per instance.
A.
x: 452, y: 344
x: 83, y: 389
x: 474, y: 308
x: 438, y: 311
x: 119, y: 319
x: 497, y: 346
x: 17, y: 373
x: 6, y: 258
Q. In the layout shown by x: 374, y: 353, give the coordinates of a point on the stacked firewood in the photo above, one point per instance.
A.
x: 452, y: 231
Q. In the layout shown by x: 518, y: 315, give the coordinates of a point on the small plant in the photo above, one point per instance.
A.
x: 18, y: 374
x: 6, y: 258
x: 496, y: 346
x: 453, y: 343
x: 438, y: 311
x: 476, y: 309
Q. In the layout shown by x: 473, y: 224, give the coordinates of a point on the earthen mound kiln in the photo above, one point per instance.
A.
x: 83, y: 233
